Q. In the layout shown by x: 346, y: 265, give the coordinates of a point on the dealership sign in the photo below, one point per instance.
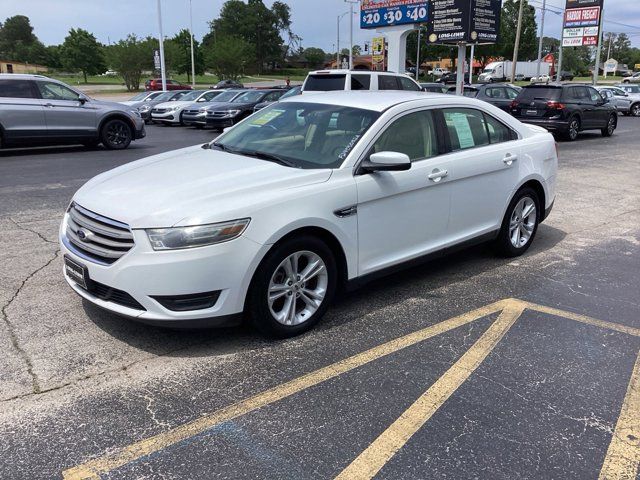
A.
x: 386, y: 13
x: 470, y: 21
x: 582, y: 20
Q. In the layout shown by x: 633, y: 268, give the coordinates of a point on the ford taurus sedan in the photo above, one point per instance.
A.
x: 309, y: 195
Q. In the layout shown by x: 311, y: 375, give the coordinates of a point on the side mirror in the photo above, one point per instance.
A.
x: 386, y: 162
x: 82, y: 99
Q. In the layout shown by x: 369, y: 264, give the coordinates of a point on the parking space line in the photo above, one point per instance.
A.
x: 94, y: 468
x: 584, y: 319
x: 371, y: 460
x: 623, y: 455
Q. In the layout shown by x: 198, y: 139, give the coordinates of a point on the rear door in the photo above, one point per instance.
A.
x: 497, y: 96
x: 65, y: 114
x: 21, y: 111
x: 601, y: 110
x: 483, y: 171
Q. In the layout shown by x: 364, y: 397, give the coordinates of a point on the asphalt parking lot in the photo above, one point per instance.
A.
x: 470, y: 366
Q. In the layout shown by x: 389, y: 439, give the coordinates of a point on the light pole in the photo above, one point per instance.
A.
x: 544, y: 8
x: 338, y: 45
x: 418, y: 54
x: 351, y: 3
x: 162, y: 71
x: 517, y: 43
x: 193, y: 64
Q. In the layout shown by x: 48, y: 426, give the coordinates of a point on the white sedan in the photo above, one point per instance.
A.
x: 171, y: 112
x: 304, y: 197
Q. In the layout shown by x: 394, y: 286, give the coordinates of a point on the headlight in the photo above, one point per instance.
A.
x: 232, y: 113
x: 196, y: 236
x: 144, y: 108
x: 173, y: 109
x: 135, y: 113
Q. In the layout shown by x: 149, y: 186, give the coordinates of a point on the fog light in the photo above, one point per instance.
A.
x: 185, y: 303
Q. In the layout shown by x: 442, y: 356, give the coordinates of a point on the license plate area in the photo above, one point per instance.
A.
x: 531, y: 113
x: 76, y: 271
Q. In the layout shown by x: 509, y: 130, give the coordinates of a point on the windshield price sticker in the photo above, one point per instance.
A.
x: 266, y: 117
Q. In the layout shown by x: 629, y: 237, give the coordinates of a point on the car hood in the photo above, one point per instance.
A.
x: 175, y: 103
x: 131, y: 103
x: 190, y: 186
x: 228, y: 106
x: 110, y: 105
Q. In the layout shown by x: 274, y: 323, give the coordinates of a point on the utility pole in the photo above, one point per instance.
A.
x: 544, y: 9
x: 193, y: 64
x: 608, y: 53
x: 338, y: 47
x: 558, y: 73
x: 162, y: 69
x: 418, y: 54
x: 473, y: 50
x: 517, y: 42
x: 596, y: 71
x: 462, y: 53
x: 351, y: 2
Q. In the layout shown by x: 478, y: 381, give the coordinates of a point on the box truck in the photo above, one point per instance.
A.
x: 501, y: 71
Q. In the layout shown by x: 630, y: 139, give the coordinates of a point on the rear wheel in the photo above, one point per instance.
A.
x: 573, y: 129
x: 520, y: 223
x: 610, y: 128
x: 635, y: 110
x: 116, y: 134
x: 293, y: 287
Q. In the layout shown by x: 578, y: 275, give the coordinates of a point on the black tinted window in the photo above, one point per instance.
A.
x: 16, y: 89
x: 529, y: 94
x: 360, y: 82
x: 387, y: 82
x: 325, y: 83
x: 408, y: 84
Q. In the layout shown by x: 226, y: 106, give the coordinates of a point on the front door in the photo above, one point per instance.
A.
x: 65, y: 114
x: 403, y: 215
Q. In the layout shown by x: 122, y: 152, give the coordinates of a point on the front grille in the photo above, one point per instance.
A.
x: 217, y: 114
x: 159, y: 110
x: 96, y: 238
x: 113, y: 295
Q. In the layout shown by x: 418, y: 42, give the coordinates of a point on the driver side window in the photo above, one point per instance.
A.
x: 413, y: 134
x: 55, y: 91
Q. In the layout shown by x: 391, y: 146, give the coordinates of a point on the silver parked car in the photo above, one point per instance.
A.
x: 625, y: 103
x: 37, y: 110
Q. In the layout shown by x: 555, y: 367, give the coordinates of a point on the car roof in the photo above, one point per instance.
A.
x: 345, y: 71
x: 378, y: 101
x: 23, y: 76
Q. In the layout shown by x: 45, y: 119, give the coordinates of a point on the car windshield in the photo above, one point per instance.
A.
x: 165, y: 96
x: 140, y: 96
x: 192, y: 95
x: 249, y: 97
x: 470, y: 93
x: 303, y: 135
x: 226, y: 96
x: 291, y: 93
x: 488, y: 70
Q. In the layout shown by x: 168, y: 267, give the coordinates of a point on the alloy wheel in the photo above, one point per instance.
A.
x: 574, y: 128
x: 611, y: 126
x: 635, y: 110
x: 523, y: 222
x: 297, y: 288
x: 117, y: 133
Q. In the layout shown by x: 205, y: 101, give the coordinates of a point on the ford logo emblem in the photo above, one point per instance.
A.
x: 82, y: 234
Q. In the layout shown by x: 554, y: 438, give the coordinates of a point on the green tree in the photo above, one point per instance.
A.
x: 621, y: 49
x: 130, y: 57
x: 357, y: 50
x: 228, y: 57
x: 19, y: 43
x: 259, y: 26
x: 180, y: 53
x: 53, y: 59
x: 81, y: 51
x: 315, y: 56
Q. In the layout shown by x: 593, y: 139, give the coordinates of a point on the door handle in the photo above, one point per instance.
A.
x: 438, y: 175
x: 509, y: 159
x: 49, y: 105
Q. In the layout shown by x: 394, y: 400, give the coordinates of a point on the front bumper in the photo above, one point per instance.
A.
x: 144, y: 273
x: 551, y: 125
x: 221, y: 122
x: 140, y: 131
x: 166, y: 117
x: 190, y: 119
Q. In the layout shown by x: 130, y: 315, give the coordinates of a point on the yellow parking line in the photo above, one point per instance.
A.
x: 584, y: 319
x: 623, y: 455
x: 94, y: 468
x: 369, y: 462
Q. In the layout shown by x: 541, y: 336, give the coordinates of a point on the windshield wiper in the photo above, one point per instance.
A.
x: 269, y: 157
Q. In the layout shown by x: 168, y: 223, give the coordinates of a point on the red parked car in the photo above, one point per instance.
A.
x: 156, y: 84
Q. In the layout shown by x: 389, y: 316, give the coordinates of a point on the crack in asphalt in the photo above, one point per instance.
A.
x: 35, y: 384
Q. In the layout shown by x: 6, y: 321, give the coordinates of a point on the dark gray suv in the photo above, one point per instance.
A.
x: 37, y: 110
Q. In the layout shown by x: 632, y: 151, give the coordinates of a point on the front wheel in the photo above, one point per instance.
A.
x: 573, y: 129
x: 116, y: 134
x: 610, y: 128
x: 293, y: 287
x: 520, y: 223
x: 635, y: 110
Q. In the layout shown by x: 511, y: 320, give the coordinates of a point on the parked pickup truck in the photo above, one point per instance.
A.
x: 438, y: 72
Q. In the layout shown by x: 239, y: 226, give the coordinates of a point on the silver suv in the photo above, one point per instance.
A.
x: 37, y: 110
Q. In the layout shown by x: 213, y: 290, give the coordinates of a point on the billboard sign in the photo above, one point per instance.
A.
x: 582, y: 17
x: 582, y: 20
x: 377, y: 53
x: 471, y: 21
x: 386, y: 13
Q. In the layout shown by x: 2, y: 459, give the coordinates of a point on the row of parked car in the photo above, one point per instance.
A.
x: 215, y: 108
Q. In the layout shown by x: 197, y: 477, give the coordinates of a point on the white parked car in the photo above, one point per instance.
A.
x: 626, y: 103
x: 541, y: 79
x: 304, y: 197
x: 333, y: 80
x: 171, y: 112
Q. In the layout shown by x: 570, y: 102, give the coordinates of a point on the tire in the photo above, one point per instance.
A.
x: 512, y: 240
x: 116, y: 134
x: 275, y: 317
x: 573, y: 129
x: 181, y: 121
x: 610, y: 128
x: 634, y: 111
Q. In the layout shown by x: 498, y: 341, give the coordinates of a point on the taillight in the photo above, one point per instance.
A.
x: 555, y: 105
x: 514, y: 104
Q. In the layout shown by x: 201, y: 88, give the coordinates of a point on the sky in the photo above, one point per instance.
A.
x: 314, y: 20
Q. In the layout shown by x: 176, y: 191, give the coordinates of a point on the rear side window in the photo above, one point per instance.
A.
x: 414, y: 135
x: 466, y: 128
x: 539, y: 93
x: 498, y: 132
x: 387, y: 82
x: 16, y: 89
x: 360, y: 82
x: 408, y: 84
x: 324, y: 83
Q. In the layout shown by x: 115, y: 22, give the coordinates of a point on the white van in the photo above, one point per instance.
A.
x: 329, y: 80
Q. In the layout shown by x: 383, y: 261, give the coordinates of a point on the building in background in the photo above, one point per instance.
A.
x: 7, y: 66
